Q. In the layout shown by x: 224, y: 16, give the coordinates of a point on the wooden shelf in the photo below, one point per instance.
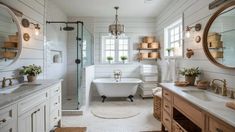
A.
x: 148, y: 49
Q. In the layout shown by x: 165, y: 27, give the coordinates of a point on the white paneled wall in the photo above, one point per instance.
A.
x: 33, y: 50
x: 195, y: 11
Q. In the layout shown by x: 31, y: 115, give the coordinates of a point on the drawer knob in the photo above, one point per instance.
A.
x: 219, y: 130
x: 3, y: 121
x: 166, y: 106
x: 166, y: 119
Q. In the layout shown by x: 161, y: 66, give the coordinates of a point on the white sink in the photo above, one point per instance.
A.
x: 205, y: 95
x: 17, y: 88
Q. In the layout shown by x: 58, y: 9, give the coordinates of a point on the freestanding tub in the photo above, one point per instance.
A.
x: 109, y: 87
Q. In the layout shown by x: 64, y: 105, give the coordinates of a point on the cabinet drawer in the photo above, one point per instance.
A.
x: 166, y: 120
x: 217, y: 126
x: 55, y: 103
x: 54, y: 90
x: 11, y: 127
x: 54, y: 118
x: 192, y: 113
x: 167, y: 95
x: 8, y: 118
x: 167, y: 106
x: 29, y: 103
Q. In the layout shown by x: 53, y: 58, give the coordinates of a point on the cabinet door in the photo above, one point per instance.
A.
x: 40, y: 118
x: 34, y: 120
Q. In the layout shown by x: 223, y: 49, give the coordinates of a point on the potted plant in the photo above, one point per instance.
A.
x: 169, y: 51
x: 190, y: 74
x: 31, y: 71
x: 109, y: 58
x: 123, y: 58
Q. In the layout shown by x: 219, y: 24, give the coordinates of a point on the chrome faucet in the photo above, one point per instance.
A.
x: 117, y: 75
x: 6, y: 79
x: 223, y: 88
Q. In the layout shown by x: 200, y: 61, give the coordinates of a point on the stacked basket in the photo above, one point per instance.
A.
x: 149, y: 43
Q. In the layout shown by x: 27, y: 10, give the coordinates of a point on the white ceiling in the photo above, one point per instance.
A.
x: 104, y: 8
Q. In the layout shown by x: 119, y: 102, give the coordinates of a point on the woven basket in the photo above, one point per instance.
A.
x: 143, y: 55
x: 157, y: 107
x: 149, y: 39
x: 143, y: 46
x: 217, y: 54
x: 214, y: 37
x: 154, y: 55
x: 154, y: 45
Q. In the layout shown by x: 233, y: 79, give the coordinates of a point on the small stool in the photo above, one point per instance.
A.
x: 157, y: 104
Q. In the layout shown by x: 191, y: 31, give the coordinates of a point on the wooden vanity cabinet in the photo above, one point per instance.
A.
x: 179, y: 115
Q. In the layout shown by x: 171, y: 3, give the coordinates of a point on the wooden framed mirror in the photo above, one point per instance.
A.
x: 219, y: 37
x: 10, y: 37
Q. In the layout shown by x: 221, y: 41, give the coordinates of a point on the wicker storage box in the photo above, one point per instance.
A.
x: 217, y: 54
x: 10, y: 45
x: 214, y: 37
x: 154, y: 45
x: 13, y: 38
x: 143, y: 46
x: 154, y: 55
x: 9, y: 54
x: 215, y: 44
x: 149, y: 39
x: 143, y: 55
x: 157, y: 107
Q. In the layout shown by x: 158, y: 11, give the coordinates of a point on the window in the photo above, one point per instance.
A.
x: 174, y: 39
x: 115, y: 48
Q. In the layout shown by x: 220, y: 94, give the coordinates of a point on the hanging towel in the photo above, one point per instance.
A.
x: 169, y: 70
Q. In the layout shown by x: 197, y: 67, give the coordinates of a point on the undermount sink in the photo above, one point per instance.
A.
x: 17, y: 88
x: 205, y: 96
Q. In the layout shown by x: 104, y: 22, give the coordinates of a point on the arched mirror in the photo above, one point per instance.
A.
x: 219, y: 37
x: 10, y: 37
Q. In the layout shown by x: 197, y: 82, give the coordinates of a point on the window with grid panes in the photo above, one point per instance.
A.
x: 115, y: 48
x: 174, y: 39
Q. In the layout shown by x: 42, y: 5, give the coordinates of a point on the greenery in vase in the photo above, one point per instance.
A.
x: 109, y: 58
x: 31, y: 70
x: 123, y: 58
x: 190, y: 72
x: 169, y: 49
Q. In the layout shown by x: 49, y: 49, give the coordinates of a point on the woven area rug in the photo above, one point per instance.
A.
x: 115, y: 109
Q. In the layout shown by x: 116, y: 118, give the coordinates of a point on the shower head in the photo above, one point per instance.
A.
x: 67, y: 28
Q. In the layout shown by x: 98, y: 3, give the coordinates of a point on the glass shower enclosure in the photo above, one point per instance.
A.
x: 79, y: 55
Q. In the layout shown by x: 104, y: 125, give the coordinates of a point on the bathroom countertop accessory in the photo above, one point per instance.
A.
x: 231, y: 105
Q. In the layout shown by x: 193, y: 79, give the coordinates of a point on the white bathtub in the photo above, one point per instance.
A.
x: 108, y: 87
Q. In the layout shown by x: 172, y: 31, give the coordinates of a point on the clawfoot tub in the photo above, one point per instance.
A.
x: 109, y: 87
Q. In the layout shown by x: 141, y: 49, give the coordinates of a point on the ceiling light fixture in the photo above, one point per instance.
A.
x: 116, y: 29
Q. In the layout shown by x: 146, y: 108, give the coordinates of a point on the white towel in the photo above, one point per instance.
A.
x: 169, y: 70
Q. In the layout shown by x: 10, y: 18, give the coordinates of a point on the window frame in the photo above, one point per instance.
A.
x: 116, y: 49
x: 167, y: 38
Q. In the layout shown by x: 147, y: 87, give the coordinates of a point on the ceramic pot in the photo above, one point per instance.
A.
x: 190, y: 79
x: 31, y: 78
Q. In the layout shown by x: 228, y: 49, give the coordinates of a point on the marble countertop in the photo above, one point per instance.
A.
x: 215, y: 108
x: 11, y: 98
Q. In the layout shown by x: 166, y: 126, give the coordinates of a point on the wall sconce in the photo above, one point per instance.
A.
x: 188, y: 29
x: 25, y: 23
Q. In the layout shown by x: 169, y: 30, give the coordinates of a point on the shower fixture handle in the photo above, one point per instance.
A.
x: 77, y: 61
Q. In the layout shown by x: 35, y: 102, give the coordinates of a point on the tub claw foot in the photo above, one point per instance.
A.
x: 103, y: 98
x: 131, y: 97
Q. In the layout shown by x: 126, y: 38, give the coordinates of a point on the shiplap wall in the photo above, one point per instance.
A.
x: 195, y: 11
x: 33, y: 50
x: 135, y: 28
x: 37, y: 49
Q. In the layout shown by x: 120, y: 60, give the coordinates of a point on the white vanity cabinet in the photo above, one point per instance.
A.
x: 8, y: 119
x: 38, y: 112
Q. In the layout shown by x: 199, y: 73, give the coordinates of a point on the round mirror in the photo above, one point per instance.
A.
x: 219, y: 37
x: 10, y: 37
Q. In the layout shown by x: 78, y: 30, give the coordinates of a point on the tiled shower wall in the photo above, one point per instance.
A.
x: 193, y: 11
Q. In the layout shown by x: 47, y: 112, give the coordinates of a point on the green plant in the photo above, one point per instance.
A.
x: 169, y: 49
x: 31, y: 70
x: 123, y: 58
x: 190, y: 72
x: 109, y: 58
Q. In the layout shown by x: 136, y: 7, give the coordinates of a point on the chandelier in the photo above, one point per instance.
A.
x: 116, y: 29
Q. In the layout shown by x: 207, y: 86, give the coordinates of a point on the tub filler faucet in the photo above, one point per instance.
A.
x: 117, y: 75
